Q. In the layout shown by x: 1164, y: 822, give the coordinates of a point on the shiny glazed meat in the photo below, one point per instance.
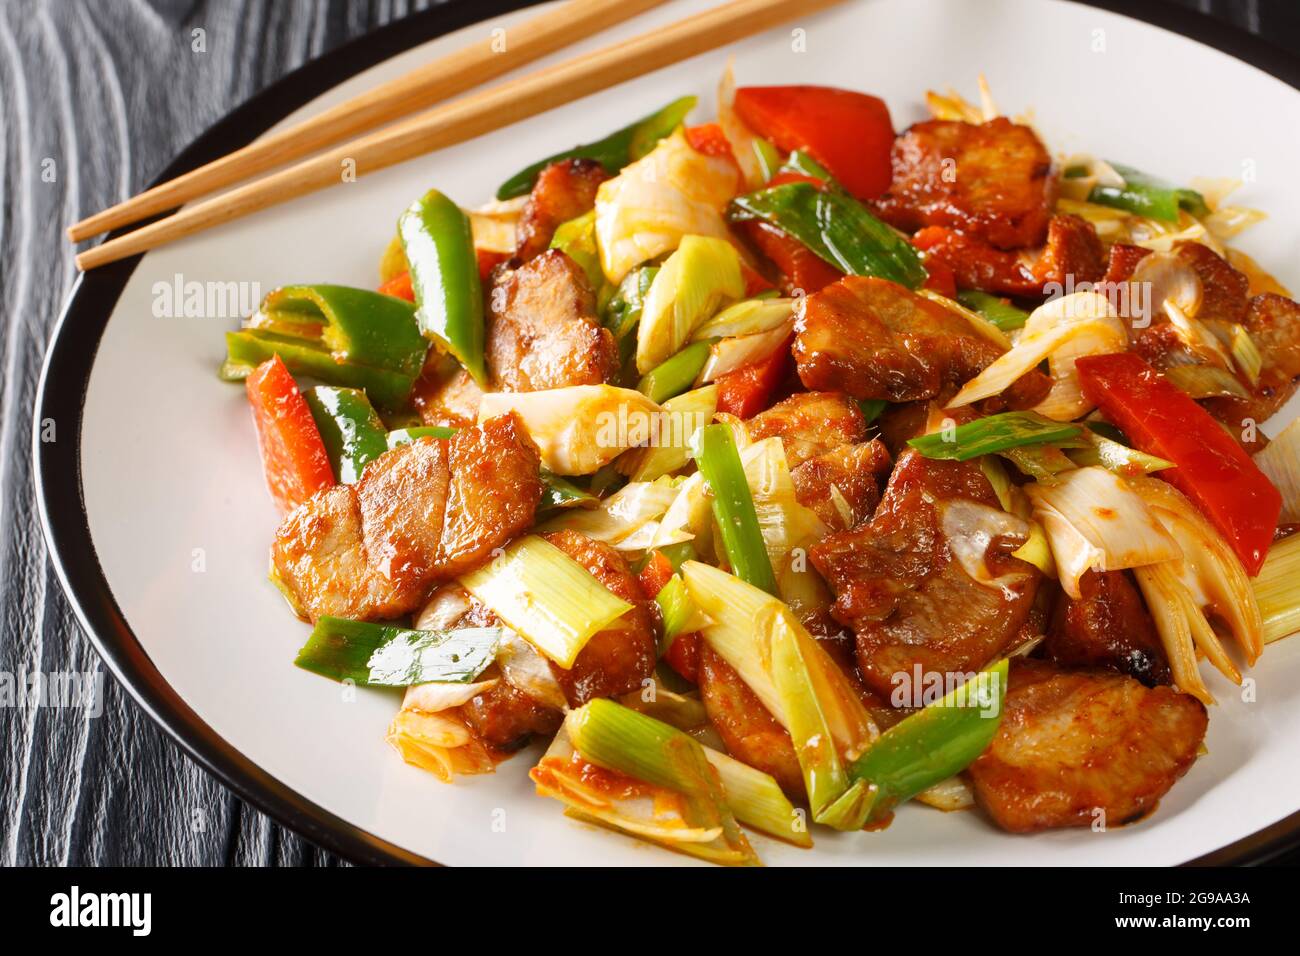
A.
x: 616, y: 660
x: 564, y: 190
x: 1073, y: 743
x: 750, y: 732
x: 1073, y: 251
x: 908, y: 601
x: 422, y: 513
x: 990, y: 181
x: 1108, y: 626
x: 542, y: 330
x: 852, y: 471
x: 809, y: 424
x: 872, y: 338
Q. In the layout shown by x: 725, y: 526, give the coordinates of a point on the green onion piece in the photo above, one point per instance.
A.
x: 675, y: 608
x: 614, y: 151
x: 622, y: 314
x: 993, y: 434
x: 757, y: 801
x: 872, y: 408
x: 559, y: 492
x: 733, y: 507
x: 1115, y: 455
x: 350, y: 427
x: 1039, y: 461
x: 546, y: 597
x: 1277, y: 589
x: 836, y: 227
x: 1148, y: 196
x: 1206, y: 381
x: 249, y: 348
x: 814, y: 746
x: 675, y: 375
x: 802, y: 163
x: 404, y: 436
x: 619, y: 738
x: 577, y: 240
x: 439, y: 247
x: 686, y: 413
x: 996, y: 310
x: 380, y: 655
x: 934, y: 743
x: 769, y: 160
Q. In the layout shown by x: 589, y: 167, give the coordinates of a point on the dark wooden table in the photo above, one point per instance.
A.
x: 96, y: 97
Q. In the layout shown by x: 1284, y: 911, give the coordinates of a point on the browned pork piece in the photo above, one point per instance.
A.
x: 564, y: 190
x: 1074, y: 745
x: 908, y: 600
x: 615, y: 661
x: 422, y: 513
x: 990, y: 180
x: 872, y: 338
x: 1072, y: 252
x: 446, y: 394
x: 1272, y: 320
x: 842, y: 480
x: 1108, y: 626
x: 750, y: 732
x: 542, y: 330
x: 810, y: 424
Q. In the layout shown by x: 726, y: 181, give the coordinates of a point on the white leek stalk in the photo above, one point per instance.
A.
x: 546, y: 597
x: 1095, y: 521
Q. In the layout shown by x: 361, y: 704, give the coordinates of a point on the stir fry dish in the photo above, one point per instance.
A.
x: 771, y: 472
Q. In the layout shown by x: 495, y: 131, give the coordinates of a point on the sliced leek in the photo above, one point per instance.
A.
x: 1277, y: 590
x: 546, y: 597
x: 698, y: 278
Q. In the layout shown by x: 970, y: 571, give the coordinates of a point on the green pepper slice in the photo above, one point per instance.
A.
x: 249, y: 348
x: 439, y: 246
x: 614, y: 151
x: 350, y: 427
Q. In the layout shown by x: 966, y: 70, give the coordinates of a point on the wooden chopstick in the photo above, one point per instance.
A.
x: 432, y: 83
x: 472, y: 115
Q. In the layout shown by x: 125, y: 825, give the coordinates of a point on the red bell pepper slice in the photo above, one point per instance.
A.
x: 399, y: 286
x: 710, y: 140
x: 749, y: 389
x: 755, y: 282
x: 849, y: 133
x: 802, y: 267
x: 684, y: 653
x: 293, y: 454
x: 1211, y: 468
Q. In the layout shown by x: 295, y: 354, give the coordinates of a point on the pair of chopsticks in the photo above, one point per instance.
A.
x: 440, y: 126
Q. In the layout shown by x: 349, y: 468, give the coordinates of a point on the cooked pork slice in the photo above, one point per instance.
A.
x: 492, y: 495
x: 542, y: 330
x: 1073, y: 252
x: 320, y: 561
x: 1076, y: 745
x: 810, y: 424
x: 872, y: 338
x: 403, y: 498
x: 1273, y: 322
x: 506, y: 718
x: 616, y: 660
x: 446, y: 394
x: 422, y: 513
x: 990, y: 180
x: 840, y: 485
x: 1108, y: 626
x: 564, y: 190
x: 910, y: 603
x: 751, y: 733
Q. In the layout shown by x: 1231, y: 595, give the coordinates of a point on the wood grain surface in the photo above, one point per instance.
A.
x: 96, y: 97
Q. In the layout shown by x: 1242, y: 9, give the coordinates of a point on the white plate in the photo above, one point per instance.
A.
x: 178, y: 518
